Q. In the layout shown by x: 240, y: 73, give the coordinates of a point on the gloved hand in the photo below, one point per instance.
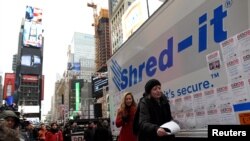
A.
x: 125, y: 118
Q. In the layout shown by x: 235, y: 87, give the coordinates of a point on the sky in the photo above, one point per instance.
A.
x: 61, y: 18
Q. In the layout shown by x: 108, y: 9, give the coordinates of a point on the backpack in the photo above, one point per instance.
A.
x: 136, y: 125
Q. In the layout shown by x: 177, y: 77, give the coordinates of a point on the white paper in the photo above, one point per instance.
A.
x: 229, y: 48
x: 227, y: 115
x: 172, y: 126
x: 212, y: 107
x: 240, y: 93
x: 214, y: 62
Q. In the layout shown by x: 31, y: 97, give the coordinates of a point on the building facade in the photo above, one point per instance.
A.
x: 82, y: 52
x: 83, y: 46
x: 103, y: 48
x: 117, y: 8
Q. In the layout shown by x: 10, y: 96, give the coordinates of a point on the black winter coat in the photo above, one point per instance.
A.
x: 152, y: 115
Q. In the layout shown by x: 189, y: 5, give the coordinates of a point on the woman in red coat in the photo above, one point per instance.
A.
x: 125, y: 117
x: 54, y: 134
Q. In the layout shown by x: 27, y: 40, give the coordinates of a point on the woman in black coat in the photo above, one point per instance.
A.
x: 154, y: 111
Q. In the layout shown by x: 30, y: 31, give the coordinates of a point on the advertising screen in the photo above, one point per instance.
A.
x: 32, y: 35
x: 9, y: 85
x: 33, y: 14
x: 76, y: 66
x: 98, y: 83
x: 31, y: 61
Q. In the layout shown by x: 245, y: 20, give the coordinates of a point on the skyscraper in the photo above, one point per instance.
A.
x: 82, y: 54
x: 83, y: 46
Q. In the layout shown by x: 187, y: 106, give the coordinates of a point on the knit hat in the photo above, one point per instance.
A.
x: 150, y: 84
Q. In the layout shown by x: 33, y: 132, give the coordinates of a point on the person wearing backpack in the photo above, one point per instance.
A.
x: 154, y: 111
x: 125, y: 117
x: 136, y: 126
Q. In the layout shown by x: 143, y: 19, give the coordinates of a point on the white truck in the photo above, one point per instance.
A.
x: 199, y: 50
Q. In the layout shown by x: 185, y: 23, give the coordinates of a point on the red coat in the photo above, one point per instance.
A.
x: 54, y: 137
x: 126, y: 132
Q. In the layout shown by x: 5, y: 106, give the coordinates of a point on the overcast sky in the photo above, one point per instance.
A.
x: 61, y: 18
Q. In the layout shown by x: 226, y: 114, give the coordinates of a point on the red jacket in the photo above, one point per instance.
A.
x: 126, y: 132
x: 54, y: 136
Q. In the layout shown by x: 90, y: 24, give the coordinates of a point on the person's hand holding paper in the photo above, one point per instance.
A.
x: 171, y: 127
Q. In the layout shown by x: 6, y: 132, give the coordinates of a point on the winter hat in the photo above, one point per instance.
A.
x: 8, y: 113
x: 150, y: 84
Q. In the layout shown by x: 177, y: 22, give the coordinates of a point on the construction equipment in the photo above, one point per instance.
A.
x: 95, y: 24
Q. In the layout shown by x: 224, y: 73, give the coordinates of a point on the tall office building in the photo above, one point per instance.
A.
x: 81, y: 54
x: 87, y: 69
x: 83, y: 46
x: 28, y: 62
x: 103, y: 49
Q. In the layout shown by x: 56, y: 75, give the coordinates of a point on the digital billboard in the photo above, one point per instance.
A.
x: 98, y: 82
x: 9, y: 85
x: 31, y: 61
x: 32, y: 35
x: 76, y: 66
x: 33, y: 14
x: 30, y: 78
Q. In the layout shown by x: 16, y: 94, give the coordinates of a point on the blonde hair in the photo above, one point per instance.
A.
x: 123, y: 102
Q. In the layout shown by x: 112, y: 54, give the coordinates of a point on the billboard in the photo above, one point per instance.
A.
x: 30, y: 79
x: 98, y: 82
x: 9, y: 85
x: 31, y: 61
x: 33, y: 14
x: 76, y: 66
x: 32, y: 35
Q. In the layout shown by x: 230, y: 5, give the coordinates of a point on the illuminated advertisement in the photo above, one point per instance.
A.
x: 97, y: 85
x: 77, y: 88
x: 74, y: 66
x: 31, y: 61
x: 30, y: 79
x: 9, y: 85
x: 73, y: 83
x: 33, y: 14
x: 32, y: 35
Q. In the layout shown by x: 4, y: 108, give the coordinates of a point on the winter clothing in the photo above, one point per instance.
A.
x: 8, y: 134
x: 8, y: 113
x: 125, y: 119
x: 102, y: 133
x: 150, y: 84
x: 56, y: 136
x: 41, y: 134
x: 152, y: 115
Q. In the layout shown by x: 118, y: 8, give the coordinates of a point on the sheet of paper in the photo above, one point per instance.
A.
x: 172, y: 126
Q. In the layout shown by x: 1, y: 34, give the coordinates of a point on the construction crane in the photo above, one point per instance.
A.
x: 95, y: 24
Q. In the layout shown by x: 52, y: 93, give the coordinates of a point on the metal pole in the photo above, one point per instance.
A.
x: 148, y: 8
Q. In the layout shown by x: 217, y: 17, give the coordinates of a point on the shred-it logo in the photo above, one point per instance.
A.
x: 131, y: 74
x: 116, y: 69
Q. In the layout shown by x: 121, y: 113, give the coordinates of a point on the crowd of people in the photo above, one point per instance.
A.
x: 138, y: 122
x: 14, y: 129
